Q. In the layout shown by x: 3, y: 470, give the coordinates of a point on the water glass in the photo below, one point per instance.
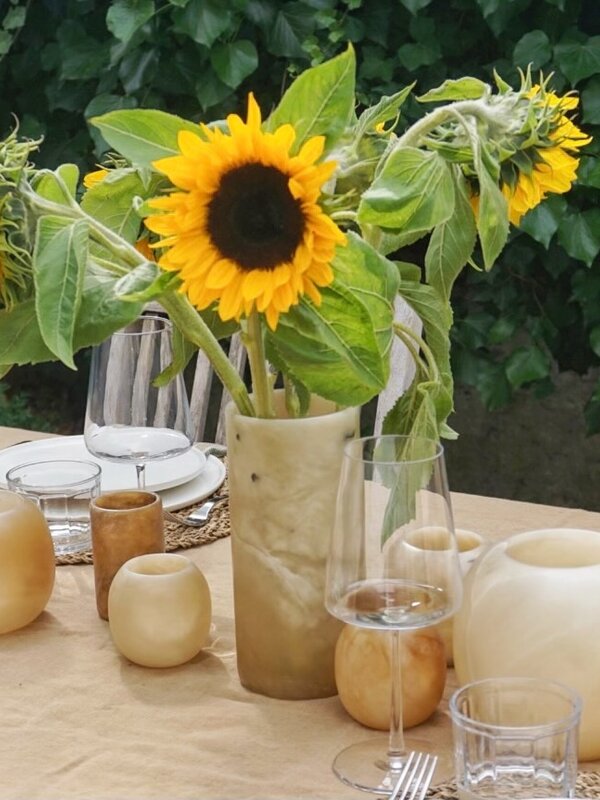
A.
x: 63, y: 490
x: 515, y: 738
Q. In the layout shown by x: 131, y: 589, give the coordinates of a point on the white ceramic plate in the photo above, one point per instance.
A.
x: 159, y: 474
x: 209, y: 480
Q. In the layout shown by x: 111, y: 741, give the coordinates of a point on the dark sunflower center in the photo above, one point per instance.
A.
x: 253, y: 219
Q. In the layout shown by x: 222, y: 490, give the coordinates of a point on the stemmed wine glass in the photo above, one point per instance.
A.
x: 130, y: 416
x: 393, y: 566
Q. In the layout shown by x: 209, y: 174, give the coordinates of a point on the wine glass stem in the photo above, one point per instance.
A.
x: 396, y: 751
x: 141, y: 475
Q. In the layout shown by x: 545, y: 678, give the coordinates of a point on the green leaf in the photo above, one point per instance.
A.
x: 125, y: 17
x: 143, y: 135
x: 59, y: 262
x: 541, y: 223
x: 82, y: 57
x: 290, y: 28
x: 102, y: 312
x: 21, y: 341
x: 578, y: 57
x: 503, y: 329
x: 595, y: 340
x: 14, y: 18
x: 451, y: 244
x: 6, y: 41
x: 532, y: 48
x: 51, y: 189
x: 387, y: 108
x: 111, y: 201
x: 183, y: 350
x: 340, y: 349
x: 451, y: 90
x: 436, y: 316
x: 414, y: 56
x: 202, y: 20
x: 209, y: 90
x: 374, y: 280
x: 492, y: 219
x: 235, y: 61
x: 413, y: 192
x: 579, y: 234
x: 414, y: 6
x: 145, y: 283
x: 526, y: 364
x: 319, y: 102
x: 414, y: 412
x: 590, y: 102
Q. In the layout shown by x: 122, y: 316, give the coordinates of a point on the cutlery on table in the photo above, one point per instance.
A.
x: 415, y: 778
x: 200, y: 516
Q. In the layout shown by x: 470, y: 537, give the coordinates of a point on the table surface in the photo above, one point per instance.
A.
x: 80, y: 721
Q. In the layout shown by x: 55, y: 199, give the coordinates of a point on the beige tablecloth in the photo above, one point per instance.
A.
x: 79, y: 721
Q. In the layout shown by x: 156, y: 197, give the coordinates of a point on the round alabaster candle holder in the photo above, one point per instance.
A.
x: 159, y: 610
x: 26, y: 561
x: 531, y: 607
x: 470, y: 546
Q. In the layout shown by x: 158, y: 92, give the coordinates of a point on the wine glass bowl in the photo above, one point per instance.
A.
x: 132, y: 414
x: 393, y: 565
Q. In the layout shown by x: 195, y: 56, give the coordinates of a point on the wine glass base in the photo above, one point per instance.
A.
x: 366, y: 766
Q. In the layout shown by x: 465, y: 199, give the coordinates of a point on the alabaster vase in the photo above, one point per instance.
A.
x: 283, y: 477
x: 26, y: 561
x: 531, y: 608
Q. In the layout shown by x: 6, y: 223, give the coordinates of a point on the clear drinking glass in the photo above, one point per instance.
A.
x: 393, y: 566
x: 128, y: 416
x: 515, y: 738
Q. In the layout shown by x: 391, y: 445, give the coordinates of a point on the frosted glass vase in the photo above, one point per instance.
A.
x: 283, y: 477
x: 531, y: 608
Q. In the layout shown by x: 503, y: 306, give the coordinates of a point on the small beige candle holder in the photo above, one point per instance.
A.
x: 159, y: 610
x: 124, y: 525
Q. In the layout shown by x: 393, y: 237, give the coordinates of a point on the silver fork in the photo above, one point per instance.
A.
x: 415, y: 778
x: 200, y: 516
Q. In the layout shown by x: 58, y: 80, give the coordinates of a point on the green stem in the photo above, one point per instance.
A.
x: 413, y: 136
x: 124, y: 251
x: 405, y: 333
x: 193, y: 327
x: 261, y: 386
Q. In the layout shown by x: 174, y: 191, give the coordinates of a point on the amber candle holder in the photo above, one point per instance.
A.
x: 26, y: 561
x: 124, y: 525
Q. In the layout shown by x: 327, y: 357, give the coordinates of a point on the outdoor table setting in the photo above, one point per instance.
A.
x: 81, y: 720
x: 338, y: 623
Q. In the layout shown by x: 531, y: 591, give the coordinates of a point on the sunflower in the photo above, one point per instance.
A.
x: 92, y: 178
x: 553, y: 169
x: 246, y: 229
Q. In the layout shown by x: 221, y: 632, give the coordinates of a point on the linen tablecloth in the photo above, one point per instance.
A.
x: 79, y: 721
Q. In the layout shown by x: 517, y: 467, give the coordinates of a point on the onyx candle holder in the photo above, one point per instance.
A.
x: 123, y: 525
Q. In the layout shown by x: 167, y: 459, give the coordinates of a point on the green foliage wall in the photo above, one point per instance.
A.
x: 64, y: 61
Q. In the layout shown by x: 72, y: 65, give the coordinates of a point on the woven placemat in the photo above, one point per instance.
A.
x: 177, y: 537
x: 588, y: 785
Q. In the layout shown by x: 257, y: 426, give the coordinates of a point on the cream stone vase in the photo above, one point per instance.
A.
x: 283, y: 477
x: 531, y: 608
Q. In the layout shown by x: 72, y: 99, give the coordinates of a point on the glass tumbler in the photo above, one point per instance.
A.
x: 63, y: 490
x: 515, y: 738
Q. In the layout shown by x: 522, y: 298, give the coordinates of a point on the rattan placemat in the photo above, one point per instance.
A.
x: 178, y: 537
x: 588, y: 785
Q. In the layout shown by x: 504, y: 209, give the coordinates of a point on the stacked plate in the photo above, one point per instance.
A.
x: 180, y: 481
